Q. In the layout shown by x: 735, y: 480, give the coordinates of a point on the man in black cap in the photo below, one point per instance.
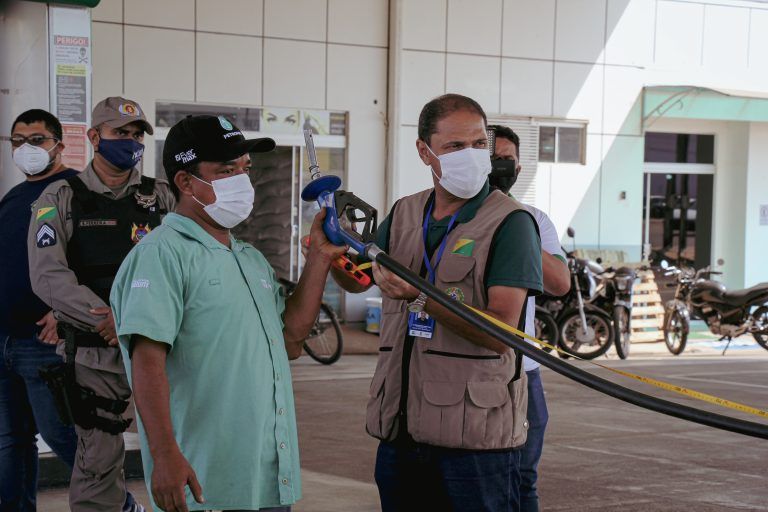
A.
x: 206, y: 334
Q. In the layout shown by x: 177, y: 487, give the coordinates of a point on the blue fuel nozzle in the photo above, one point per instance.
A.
x: 322, y: 188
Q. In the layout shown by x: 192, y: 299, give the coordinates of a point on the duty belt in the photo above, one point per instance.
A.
x: 84, y: 402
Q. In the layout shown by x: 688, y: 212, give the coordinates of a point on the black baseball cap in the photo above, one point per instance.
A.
x: 207, y: 138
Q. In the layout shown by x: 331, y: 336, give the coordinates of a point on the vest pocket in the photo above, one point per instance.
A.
x: 489, y: 415
x: 471, y: 415
x: 442, y: 413
x: 518, y: 390
x: 456, y: 275
x: 373, y: 415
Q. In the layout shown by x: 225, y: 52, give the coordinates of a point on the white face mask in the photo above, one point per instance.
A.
x: 234, y: 200
x: 31, y: 159
x: 464, y: 172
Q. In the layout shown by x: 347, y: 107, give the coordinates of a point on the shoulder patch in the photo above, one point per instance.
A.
x: 46, y: 236
x: 45, y: 213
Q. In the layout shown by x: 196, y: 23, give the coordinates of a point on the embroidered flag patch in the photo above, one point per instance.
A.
x: 139, y: 231
x: 464, y: 246
x: 46, y: 213
x: 46, y: 236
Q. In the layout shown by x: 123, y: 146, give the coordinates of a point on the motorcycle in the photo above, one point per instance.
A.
x: 614, y: 296
x: 727, y: 313
x: 585, y: 330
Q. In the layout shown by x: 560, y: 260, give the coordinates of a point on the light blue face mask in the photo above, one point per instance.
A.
x: 463, y: 172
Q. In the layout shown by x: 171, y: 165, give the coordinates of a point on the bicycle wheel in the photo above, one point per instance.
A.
x: 675, y: 331
x: 597, y: 339
x: 325, y: 340
x: 621, y: 330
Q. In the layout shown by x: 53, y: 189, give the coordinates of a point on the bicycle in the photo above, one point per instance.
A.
x: 325, y: 341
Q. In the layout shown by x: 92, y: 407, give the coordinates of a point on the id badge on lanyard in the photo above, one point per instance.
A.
x: 420, y: 324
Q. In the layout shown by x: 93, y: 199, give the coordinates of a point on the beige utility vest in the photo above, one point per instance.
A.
x: 460, y: 395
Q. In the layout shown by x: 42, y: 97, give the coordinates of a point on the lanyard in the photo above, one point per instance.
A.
x: 430, y: 269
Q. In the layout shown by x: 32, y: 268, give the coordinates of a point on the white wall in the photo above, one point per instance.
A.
x: 23, y: 74
x: 284, y: 53
x: 577, y: 59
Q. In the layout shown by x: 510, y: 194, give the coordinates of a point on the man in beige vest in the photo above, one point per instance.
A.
x: 447, y: 401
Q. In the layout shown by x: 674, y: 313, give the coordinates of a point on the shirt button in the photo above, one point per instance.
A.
x: 280, y: 412
x: 272, y: 341
x: 282, y: 446
x: 285, y: 481
x: 277, y: 376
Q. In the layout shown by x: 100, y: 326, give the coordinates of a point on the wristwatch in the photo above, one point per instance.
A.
x: 417, y: 304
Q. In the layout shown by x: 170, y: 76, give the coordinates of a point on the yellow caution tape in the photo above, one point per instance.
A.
x: 692, y: 393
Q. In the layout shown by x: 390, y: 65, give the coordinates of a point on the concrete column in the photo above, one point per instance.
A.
x: 24, y: 82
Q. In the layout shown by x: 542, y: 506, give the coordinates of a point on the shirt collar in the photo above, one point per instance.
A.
x: 193, y: 230
x: 470, y: 208
x: 94, y: 183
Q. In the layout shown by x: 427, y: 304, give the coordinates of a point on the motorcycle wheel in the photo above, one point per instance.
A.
x: 546, y: 329
x: 761, y: 317
x: 602, y: 335
x: 622, y: 331
x: 675, y: 332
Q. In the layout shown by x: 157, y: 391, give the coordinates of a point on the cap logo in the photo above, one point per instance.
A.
x: 128, y: 109
x: 225, y: 124
x: 185, y: 156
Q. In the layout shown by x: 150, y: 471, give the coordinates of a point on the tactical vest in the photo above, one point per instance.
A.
x: 459, y: 394
x: 104, y: 230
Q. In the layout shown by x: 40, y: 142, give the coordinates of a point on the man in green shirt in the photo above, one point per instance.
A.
x: 447, y: 400
x: 206, y: 335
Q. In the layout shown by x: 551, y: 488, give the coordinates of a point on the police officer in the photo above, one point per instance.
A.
x: 90, y: 224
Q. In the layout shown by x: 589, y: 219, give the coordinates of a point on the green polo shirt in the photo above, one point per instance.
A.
x: 516, y: 253
x: 219, y: 311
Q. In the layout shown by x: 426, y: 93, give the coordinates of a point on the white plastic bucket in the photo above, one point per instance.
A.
x: 373, y: 314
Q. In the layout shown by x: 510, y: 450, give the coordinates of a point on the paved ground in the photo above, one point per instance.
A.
x: 600, y: 453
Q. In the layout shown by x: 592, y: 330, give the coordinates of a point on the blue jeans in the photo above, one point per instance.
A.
x: 420, y: 477
x: 531, y: 452
x: 26, y: 408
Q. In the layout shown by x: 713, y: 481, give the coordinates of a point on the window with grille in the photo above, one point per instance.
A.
x: 562, y: 144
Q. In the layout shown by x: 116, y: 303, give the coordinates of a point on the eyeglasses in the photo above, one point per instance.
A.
x: 33, y: 140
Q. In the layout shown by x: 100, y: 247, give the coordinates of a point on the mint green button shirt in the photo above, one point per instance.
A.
x: 231, y: 399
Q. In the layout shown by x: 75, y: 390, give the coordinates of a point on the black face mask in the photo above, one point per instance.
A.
x: 503, y: 174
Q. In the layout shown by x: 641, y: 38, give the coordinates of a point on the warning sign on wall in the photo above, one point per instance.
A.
x: 76, y: 146
x: 70, y: 50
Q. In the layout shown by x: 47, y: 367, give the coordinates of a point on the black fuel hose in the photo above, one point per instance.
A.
x: 607, y: 387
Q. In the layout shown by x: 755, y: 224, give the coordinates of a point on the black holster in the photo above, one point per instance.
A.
x: 76, y: 404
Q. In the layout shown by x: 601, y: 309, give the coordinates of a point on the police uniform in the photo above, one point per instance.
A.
x: 80, y: 232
